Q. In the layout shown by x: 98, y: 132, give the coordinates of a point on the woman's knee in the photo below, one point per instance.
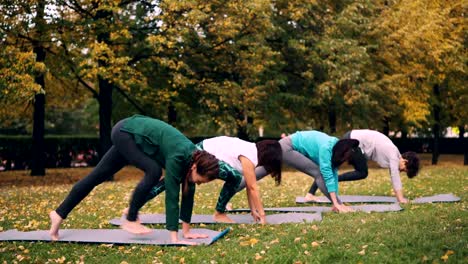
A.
x: 363, y: 174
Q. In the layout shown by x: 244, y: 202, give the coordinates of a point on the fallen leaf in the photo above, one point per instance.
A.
x: 315, y: 244
x: 362, y: 252
x: 274, y: 241
x: 253, y: 241
x: 447, y: 254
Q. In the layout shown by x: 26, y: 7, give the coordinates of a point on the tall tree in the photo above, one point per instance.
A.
x: 38, y: 148
x: 101, y: 44
x: 24, y: 26
x: 215, y: 59
x: 423, y: 52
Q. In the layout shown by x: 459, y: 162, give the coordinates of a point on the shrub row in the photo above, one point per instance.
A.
x: 74, y: 151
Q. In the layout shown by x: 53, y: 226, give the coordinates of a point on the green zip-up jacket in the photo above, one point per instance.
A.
x: 172, y: 151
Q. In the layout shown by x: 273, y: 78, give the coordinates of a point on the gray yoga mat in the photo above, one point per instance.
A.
x: 351, y: 199
x: 383, y: 199
x: 439, y: 198
x: 238, y: 218
x: 110, y: 236
x: 395, y: 207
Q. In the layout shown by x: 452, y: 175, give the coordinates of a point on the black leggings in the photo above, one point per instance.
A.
x: 359, y: 162
x: 124, y: 151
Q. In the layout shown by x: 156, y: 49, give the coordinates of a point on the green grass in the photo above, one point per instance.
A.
x: 422, y: 233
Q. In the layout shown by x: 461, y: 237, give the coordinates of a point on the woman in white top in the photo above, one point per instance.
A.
x: 245, y: 157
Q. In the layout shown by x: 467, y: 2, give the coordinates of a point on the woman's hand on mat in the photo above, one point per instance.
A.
x: 222, y: 218
x: 400, y: 197
x: 340, y: 208
x: 258, y: 217
x: 403, y: 200
x: 255, y: 215
x: 262, y: 219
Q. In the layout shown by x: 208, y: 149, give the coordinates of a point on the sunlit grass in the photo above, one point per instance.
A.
x: 422, y: 233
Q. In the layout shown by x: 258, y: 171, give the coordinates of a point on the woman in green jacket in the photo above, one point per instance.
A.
x: 150, y: 145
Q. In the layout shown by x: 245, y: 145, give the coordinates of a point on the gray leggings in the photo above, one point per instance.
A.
x: 298, y: 161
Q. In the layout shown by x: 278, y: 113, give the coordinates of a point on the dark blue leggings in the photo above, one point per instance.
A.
x: 124, y: 151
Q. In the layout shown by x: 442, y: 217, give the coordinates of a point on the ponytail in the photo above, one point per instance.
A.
x: 342, y: 151
x: 270, y: 156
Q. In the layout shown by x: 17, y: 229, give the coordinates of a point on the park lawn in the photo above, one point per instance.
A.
x: 422, y: 233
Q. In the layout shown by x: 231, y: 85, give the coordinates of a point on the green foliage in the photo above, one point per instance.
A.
x: 421, y: 46
x: 229, y: 67
x: 428, y: 233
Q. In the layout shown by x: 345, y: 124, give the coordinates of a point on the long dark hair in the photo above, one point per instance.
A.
x: 207, y: 166
x: 342, y: 151
x: 270, y: 156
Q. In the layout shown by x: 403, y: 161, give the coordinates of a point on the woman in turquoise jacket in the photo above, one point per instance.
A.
x: 319, y: 155
x: 150, y: 145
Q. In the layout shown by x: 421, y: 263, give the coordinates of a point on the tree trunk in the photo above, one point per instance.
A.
x: 241, y: 122
x: 404, y: 133
x: 436, y: 126
x: 38, y: 146
x: 171, y: 114
x: 105, y: 115
x: 464, y: 143
x: 386, y: 127
x: 332, y: 117
x: 105, y: 90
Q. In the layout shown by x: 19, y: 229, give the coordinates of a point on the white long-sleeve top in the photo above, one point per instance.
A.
x: 379, y: 148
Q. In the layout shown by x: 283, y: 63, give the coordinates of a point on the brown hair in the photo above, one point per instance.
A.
x: 270, y: 156
x: 412, y: 164
x: 207, y: 166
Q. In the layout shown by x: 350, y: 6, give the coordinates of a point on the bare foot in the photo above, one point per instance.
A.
x: 55, y: 221
x: 222, y: 218
x: 135, y: 228
x: 341, y: 208
x: 311, y: 198
x: 125, y: 213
